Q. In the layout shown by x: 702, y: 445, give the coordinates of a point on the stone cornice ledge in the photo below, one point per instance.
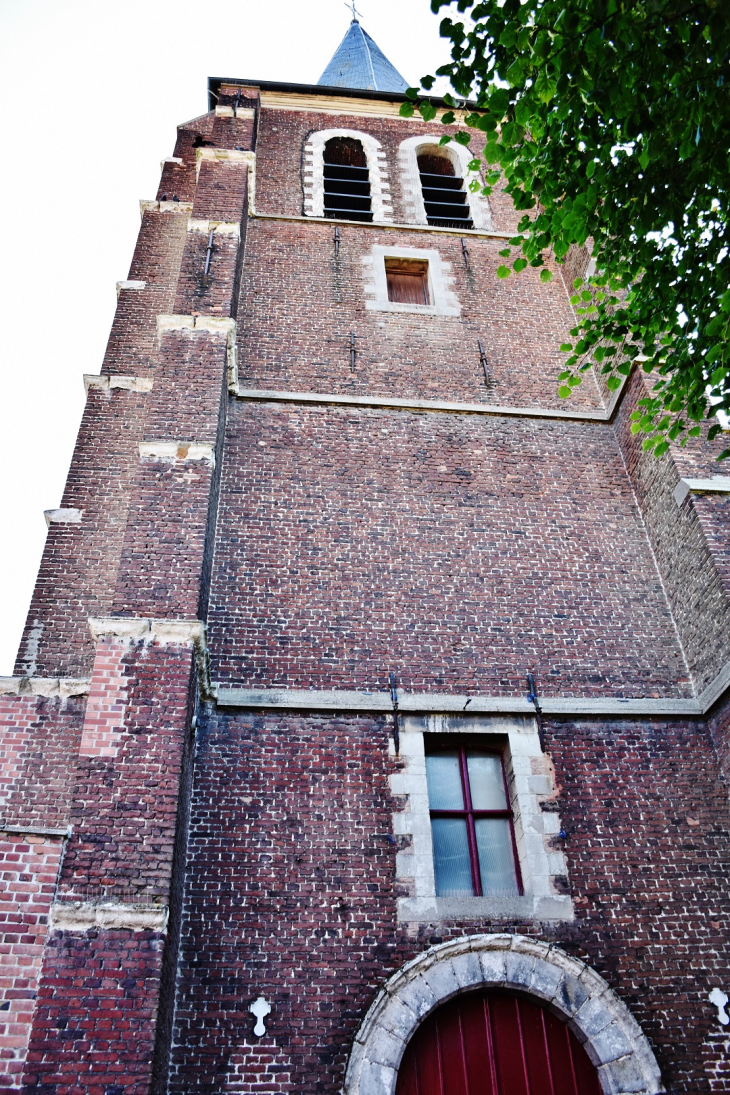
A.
x: 262, y: 395
x: 44, y: 686
x: 441, y: 703
x: 164, y: 633
x: 136, y: 629
x: 79, y: 916
x: 106, y: 382
x: 717, y: 484
x: 36, y: 830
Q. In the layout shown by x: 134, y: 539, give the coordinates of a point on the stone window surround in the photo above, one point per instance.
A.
x: 313, y: 173
x: 530, y: 782
x: 444, y: 301
x: 415, y: 210
x: 571, y: 990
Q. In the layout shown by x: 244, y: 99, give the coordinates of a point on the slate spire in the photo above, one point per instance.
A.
x: 358, y: 63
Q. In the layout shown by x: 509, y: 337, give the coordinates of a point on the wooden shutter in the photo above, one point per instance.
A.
x: 407, y: 288
x: 491, y: 1043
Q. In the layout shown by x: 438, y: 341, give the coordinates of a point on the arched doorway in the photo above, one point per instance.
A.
x: 495, y: 1043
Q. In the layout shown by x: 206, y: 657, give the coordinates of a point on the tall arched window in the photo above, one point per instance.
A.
x: 493, y: 1043
x: 443, y: 191
x: 346, y: 180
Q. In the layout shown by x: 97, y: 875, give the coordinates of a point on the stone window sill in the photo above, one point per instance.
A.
x: 526, y: 907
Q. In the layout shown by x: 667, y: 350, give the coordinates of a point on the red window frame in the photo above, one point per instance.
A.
x: 471, y: 815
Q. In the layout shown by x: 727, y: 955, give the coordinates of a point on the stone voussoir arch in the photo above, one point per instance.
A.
x: 460, y: 157
x: 572, y: 990
x: 313, y: 172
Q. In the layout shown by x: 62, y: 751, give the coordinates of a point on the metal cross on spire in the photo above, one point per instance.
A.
x: 354, y: 11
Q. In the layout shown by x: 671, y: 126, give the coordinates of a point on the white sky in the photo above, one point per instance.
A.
x: 91, y: 92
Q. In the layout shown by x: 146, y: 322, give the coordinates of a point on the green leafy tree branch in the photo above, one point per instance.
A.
x: 608, y: 121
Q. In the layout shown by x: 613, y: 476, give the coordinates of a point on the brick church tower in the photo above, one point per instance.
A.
x: 369, y: 731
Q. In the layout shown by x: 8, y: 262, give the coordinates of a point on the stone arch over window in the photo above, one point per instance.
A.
x: 458, y: 156
x: 575, y: 993
x: 313, y: 172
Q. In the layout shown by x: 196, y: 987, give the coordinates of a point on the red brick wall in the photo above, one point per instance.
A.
x: 78, y: 1042
x: 28, y: 871
x: 459, y: 551
x: 291, y: 893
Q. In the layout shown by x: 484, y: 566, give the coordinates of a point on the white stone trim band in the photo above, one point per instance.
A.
x: 44, y: 686
x: 62, y: 516
x: 130, y: 285
x: 36, y: 830
x: 717, y: 484
x: 440, y: 703
x: 572, y: 990
x: 80, y: 916
x: 265, y: 395
x: 106, y: 382
x: 467, y: 233
x: 242, y: 113
x: 147, y: 206
x: 138, y: 629
x: 172, y: 451
x: 221, y: 228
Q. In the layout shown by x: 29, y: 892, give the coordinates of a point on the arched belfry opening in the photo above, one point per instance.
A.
x: 443, y: 190
x: 495, y: 1043
x: 346, y: 180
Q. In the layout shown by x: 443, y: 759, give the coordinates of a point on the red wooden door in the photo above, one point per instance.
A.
x: 491, y: 1043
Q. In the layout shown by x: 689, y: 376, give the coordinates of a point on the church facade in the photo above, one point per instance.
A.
x: 369, y: 730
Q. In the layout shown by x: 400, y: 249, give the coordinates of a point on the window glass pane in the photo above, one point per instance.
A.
x: 444, y: 781
x: 451, y: 857
x: 496, y: 858
x: 486, y: 781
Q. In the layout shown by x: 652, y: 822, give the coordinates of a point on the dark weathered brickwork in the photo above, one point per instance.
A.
x: 291, y: 892
x: 354, y: 542
x: 167, y: 857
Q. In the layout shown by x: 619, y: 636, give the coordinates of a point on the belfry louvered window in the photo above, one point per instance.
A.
x: 346, y: 180
x: 443, y: 193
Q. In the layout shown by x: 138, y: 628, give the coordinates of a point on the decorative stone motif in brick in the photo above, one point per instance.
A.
x: 575, y: 992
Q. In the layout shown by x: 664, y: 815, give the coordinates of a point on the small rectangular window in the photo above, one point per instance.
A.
x: 474, y: 851
x: 407, y: 281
